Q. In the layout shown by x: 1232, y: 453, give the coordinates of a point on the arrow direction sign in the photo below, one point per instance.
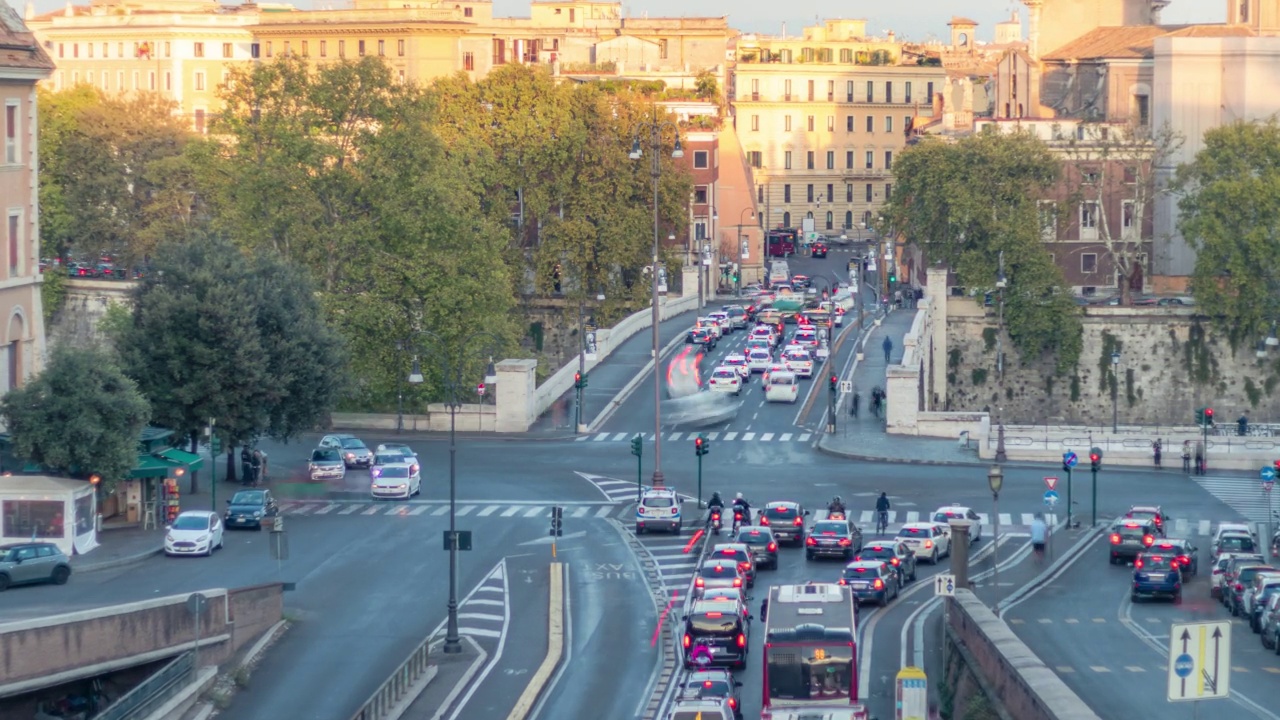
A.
x: 1051, y: 497
x: 1051, y: 483
x: 1199, y: 661
x: 1268, y: 474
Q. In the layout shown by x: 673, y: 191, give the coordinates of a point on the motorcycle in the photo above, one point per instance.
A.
x: 741, y: 516
x: 716, y: 522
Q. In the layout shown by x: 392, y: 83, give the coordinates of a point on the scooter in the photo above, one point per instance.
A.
x: 716, y: 522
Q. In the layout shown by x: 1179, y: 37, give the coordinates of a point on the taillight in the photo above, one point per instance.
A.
x: 744, y: 566
x: 715, y: 517
x: 742, y: 640
x: 733, y: 703
x: 895, y: 561
x: 1184, y: 560
x: 810, y: 541
x: 879, y: 584
x: 1239, y: 587
x: 928, y: 544
x: 641, y: 509
x: 1173, y: 565
x: 1137, y: 564
x: 763, y: 520
x: 843, y: 581
x: 699, y: 583
x: 798, y: 522
x: 688, y: 641
x: 773, y: 547
x: 737, y: 582
x: 1115, y: 538
x: 1147, y: 540
x: 845, y: 542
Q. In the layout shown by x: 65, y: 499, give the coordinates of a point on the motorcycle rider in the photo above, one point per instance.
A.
x: 715, y: 505
x: 836, y: 506
x: 740, y: 504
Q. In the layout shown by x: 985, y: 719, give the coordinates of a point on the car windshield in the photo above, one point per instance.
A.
x: 729, y: 374
x: 248, y: 497
x: 1131, y: 531
x: 721, y: 621
x: 707, y: 689
x: 861, y: 573
x: 734, y: 360
x: 191, y: 522
x: 388, y: 458
x: 1246, y: 575
x: 394, y: 471
x: 797, y: 356
x: 719, y: 568
x: 831, y: 528
x: 659, y: 501
x: 781, y: 379
x: 947, y: 515
x: 325, y: 456
x: 1235, y: 543
x: 910, y: 532
x: 780, y: 512
x: 352, y: 444
x: 755, y: 537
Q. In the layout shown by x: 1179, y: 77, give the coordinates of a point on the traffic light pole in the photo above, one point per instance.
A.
x: 699, y: 481
x: 1094, y: 516
x: 1068, y: 469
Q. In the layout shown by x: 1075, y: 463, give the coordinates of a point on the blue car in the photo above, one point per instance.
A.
x: 1157, y: 573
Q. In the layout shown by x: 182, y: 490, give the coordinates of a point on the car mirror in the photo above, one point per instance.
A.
x: 751, y: 617
x: 684, y: 618
x: 228, y: 502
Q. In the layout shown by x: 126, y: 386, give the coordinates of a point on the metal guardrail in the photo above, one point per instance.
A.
x: 1133, y: 443
x: 154, y: 691
x: 398, y: 685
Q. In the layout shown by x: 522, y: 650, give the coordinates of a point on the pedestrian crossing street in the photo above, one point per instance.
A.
x: 1244, y: 495
x: 766, y: 437
x: 433, y: 508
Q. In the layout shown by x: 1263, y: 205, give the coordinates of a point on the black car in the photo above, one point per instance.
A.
x: 1129, y: 538
x: 764, y: 548
x: 248, y: 508
x: 1186, y: 552
x: 786, y: 519
x: 819, y: 250
x: 715, y: 635
x: 871, y: 581
x: 897, y: 554
x: 713, y: 683
x: 833, y: 538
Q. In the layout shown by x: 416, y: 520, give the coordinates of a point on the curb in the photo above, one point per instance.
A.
x: 117, y: 562
x: 555, y: 647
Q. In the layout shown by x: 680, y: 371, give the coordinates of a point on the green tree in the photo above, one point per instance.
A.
x: 706, y: 86
x: 80, y: 416
x: 971, y: 202
x: 1230, y: 212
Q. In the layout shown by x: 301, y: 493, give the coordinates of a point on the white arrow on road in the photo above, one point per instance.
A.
x: 548, y: 539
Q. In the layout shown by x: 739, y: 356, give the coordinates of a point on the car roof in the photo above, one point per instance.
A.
x: 895, y: 545
x: 342, y: 436
x: 710, y: 674
x: 1144, y: 508
x: 864, y: 564
x: 920, y: 525
x: 15, y: 546
x: 755, y: 529
x: 193, y: 513
x: 717, y: 563
x: 953, y: 508
x: 782, y: 503
x: 729, y: 546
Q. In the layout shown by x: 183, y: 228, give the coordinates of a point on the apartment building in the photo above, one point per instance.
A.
x: 22, y: 65
x: 821, y: 118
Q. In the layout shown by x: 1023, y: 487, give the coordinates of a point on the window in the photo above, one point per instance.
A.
x: 1088, y: 263
x: 871, y: 124
x: 928, y: 90
x: 1130, y: 174
x: 810, y: 88
x: 15, y: 224
x: 846, y: 56
x: 848, y: 192
x: 831, y: 123
x: 906, y: 93
x: 136, y: 86
x: 831, y: 84
x: 228, y: 52
x: 755, y: 158
x: 468, y: 61
x: 786, y: 123
x: 888, y: 191
x: 831, y: 194
x: 888, y: 92
x: 1048, y: 212
x: 831, y: 159
x: 871, y: 91
x: 662, y: 48
x: 700, y: 195
x: 755, y: 89
x: 786, y: 160
x: 269, y: 49
x: 1128, y: 217
x: 786, y: 219
x: 888, y: 123
x: 868, y: 192
x: 199, y: 50
x: 888, y: 159
x: 870, y: 160
x: 1142, y: 109
x: 120, y: 49
x: 151, y: 80
x: 810, y: 123
x: 848, y: 216
x: 306, y: 48
x: 759, y: 193
x: 62, y: 50
x: 700, y: 159
x: 848, y: 90
x: 199, y: 80
x: 809, y: 160
x: 199, y: 121
x: 360, y: 48
x: 89, y: 49
x: 168, y: 81
x: 288, y: 48
x: 226, y: 79
x: 75, y: 50
x: 400, y: 48
x: 167, y: 50
x: 755, y: 123
x: 848, y: 159
x: 809, y: 192
x: 786, y: 91
x: 11, y: 132
x: 342, y: 48
x: 382, y: 48
x: 831, y: 220
x: 786, y: 193
x: 848, y: 123
x: 1088, y: 220
x: 255, y: 50
x: 1089, y: 176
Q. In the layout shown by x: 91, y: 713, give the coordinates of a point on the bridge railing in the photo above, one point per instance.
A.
x: 154, y: 691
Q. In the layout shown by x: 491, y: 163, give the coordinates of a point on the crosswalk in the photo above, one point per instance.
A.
x: 675, y: 565
x: 722, y: 436
x: 433, y: 508
x: 622, y: 491
x: 485, y: 612
x: 1244, y: 495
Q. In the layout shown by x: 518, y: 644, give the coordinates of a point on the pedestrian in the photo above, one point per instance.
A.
x: 1242, y: 425
x: 897, y: 299
x: 1186, y: 457
x: 854, y: 403
x: 1155, y: 451
x: 1199, y: 458
x: 764, y: 608
x: 255, y: 462
x: 888, y: 348
x: 246, y: 466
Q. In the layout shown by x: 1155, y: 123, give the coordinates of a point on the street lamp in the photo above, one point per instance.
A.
x: 1002, y: 282
x: 744, y: 251
x: 399, y: 390
x: 579, y: 414
x: 655, y: 129
x: 453, y: 360
x: 1115, y: 381
x: 995, y: 480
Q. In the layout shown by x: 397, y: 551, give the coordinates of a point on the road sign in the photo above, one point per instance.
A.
x: 1266, y: 486
x: 1199, y: 661
x: 1051, y: 497
x: 1268, y: 474
x: 1070, y: 459
x: 846, y: 386
x: 1051, y: 483
x: 464, y: 539
x: 944, y: 584
x: 912, y: 697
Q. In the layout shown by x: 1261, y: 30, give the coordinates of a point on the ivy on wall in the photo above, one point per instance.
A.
x: 1200, y: 363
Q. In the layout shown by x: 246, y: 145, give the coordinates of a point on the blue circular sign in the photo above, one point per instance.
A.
x: 1183, y: 666
x: 1070, y: 459
x: 1268, y: 473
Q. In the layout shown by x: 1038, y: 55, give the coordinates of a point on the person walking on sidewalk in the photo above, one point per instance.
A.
x: 1199, y: 458
x: 1186, y: 457
x: 1155, y: 451
x: 855, y: 402
x: 888, y: 348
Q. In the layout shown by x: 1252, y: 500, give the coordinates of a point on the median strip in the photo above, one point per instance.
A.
x: 555, y: 647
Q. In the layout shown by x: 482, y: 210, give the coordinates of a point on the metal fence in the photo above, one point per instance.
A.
x: 154, y: 691
x: 1172, y: 444
x: 398, y: 685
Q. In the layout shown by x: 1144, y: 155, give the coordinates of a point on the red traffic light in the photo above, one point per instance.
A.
x: 1093, y: 457
x: 697, y: 442
x: 1208, y: 412
x: 834, y: 379
x: 577, y: 377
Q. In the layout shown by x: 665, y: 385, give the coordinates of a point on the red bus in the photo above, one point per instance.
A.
x: 781, y: 243
x: 811, y: 652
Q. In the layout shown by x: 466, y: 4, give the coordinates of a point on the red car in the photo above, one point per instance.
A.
x: 819, y: 250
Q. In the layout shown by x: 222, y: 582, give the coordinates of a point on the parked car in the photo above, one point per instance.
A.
x: 33, y: 562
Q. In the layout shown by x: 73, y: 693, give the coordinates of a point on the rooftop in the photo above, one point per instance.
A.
x: 18, y: 46
x: 1138, y: 41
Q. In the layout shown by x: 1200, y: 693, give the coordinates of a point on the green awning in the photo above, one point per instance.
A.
x: 182, y: 457
x: 150, y: 467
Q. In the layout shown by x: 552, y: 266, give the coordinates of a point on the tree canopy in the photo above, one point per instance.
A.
x: 80, y: 416
x: 1230, y: 212
x: 971, y: 202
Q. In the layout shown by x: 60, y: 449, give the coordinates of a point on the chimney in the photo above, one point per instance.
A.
x: 30, y: 12
x: 1033, y: 27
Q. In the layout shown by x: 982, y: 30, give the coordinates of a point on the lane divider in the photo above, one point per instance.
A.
x: 555, y: 646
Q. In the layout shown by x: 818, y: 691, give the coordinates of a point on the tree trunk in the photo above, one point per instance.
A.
x: 195, y: 450
x: 231, y: 464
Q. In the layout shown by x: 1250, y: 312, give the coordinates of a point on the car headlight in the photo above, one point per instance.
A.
x: 257, y: 513
x: 202, y: 538
x: 168, y: 538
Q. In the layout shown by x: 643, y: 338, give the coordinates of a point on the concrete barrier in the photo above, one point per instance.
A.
x: 1008, y: 672
x: 555, y: 647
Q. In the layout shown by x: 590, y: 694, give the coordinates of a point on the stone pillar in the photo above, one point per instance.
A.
x: 517, y: 381
x: 960, y: 551
x: 689, y: 281
x: 902, y: 406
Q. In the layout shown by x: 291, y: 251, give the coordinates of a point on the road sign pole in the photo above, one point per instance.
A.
x: 699, y: 482
x: 1068, y: 498
x: 1093, y: 521
x: 639, y: 475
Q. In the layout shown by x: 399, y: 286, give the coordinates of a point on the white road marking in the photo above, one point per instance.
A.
x: 420, y: 509
x: 510, y: 512
x: 372, y: 511
x: 601, y: 436
x: 349, y: 510
x: 491, y: 510
x: 441, y: 511
x: 479, y: 632
x: 673, y: 437
x: 465, y: 510
x: 804, y: 437
x: 713, y: 435
x: 619, y: 437
x: 580, y: 512
x: 536, y: 512
x: 604, y: 512
x: 785, y: 437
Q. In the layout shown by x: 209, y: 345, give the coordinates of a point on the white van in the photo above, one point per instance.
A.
x: 779, y: 272
x: 782, y: 387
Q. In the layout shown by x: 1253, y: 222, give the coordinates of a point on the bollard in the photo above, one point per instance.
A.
x: 960, y: 551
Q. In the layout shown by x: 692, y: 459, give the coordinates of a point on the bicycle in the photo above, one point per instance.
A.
x: 882, y: 522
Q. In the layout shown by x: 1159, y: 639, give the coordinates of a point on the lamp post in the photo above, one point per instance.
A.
x: 1001, y: 282
x: 655, y: 129
x: 579, y: 423
x: 453, y: 360
x: 995, y: 480
x: 744, y: 252
x: 1115, y: 381
x: 399, y: 390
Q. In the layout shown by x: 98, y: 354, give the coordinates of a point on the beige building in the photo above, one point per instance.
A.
x: 22, y: 64
x: 821, y: 118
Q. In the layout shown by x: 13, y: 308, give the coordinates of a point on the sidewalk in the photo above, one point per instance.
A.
x: 864, y: 437
x: 612, y: 374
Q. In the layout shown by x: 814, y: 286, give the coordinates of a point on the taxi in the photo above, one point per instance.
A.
x: 806, y: 337
x: 725, y: 380
x: 1129, y: 538
x: 774, y: 368
x: 765, y: 333
x: 711, y: 324
x: 782, y: 387
x: 1156, y: 573
x: 759, y: 360
x: 799, y: 362
x: 947, y: 513
x: 926, y: 540
x: 738, y: 362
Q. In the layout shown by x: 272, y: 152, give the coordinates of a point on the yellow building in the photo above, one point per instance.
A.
x: 821, y: 118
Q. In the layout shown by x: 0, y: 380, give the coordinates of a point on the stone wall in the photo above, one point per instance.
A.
x: 1171, y: 362
x: 86, y: 302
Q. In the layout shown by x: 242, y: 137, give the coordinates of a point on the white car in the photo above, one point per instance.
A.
x: 759, y: 361
x: 726, y: 380
x: 738, y: 362
x: 782, y: 387
x: 712, y: 324
x: 398, y: 480
x: 405, y: 450
x: 763, y: 332
x: 722, y: 317
x: 929, y: 541
x: 806, y: 338
x: 774, y: 368
x: 1220, y: 564
x: 194, y: 532
x: 1228, y: 530
x: 945, y: 514
x: 799, y: 362
x: 659, y: 509
x: 837, y: 312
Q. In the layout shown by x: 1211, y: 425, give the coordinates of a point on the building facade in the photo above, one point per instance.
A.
x: 821, y: 118
x: 22, y: 65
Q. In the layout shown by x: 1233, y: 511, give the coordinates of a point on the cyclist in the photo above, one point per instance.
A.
x: 882, y: 512
x: 1039, y: 535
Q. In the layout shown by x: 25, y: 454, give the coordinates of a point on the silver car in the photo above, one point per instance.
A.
x: 354, y: 452
x: 326, y: 464
x: 33, y: 562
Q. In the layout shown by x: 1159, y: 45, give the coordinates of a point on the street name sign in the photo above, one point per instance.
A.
x: 1051, y: 483
x: 1199, y: 661
x: 944, y: 584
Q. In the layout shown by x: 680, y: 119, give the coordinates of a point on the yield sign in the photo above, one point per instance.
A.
x: 1051, y: 482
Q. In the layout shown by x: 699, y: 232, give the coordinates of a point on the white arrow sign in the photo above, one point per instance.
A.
x: 944, y: 584
x: 1200, y: 661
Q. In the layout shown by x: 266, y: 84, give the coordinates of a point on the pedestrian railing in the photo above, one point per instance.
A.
x: 398, y: 686
x: 1171, y: 446
x: 154, y: 691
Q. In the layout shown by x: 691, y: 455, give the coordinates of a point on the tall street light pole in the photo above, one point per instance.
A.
x: 1001, y: 283
x: 995, y: 480
x: 453, y: 360
x: 655, y: 129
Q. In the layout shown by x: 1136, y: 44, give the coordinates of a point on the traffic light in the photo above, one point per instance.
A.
x: 1208, y: 416
x: 835, y: 383
x: 893, y: 276
x: 557, y: 521
x: 579, y: 381
x: 701, y: 445
x: 1095, y: 459
x: 1204, y: 417
x: 637, y: 445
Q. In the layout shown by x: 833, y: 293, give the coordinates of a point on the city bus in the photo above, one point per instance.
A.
x: 781, y: 242
x: 811, y: 652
